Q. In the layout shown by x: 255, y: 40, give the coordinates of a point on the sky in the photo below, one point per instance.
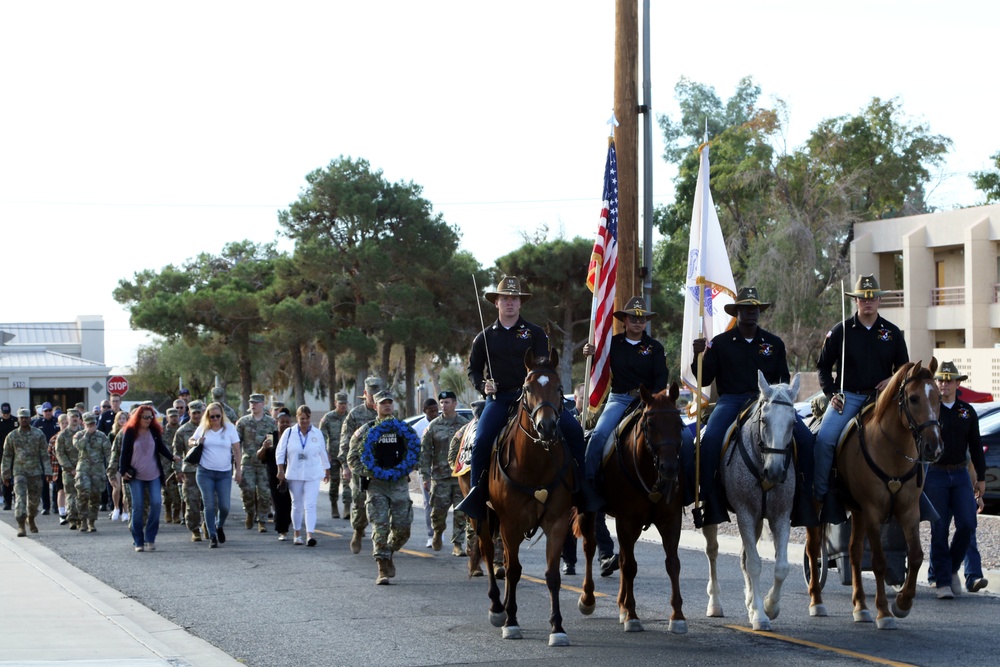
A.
x: 136, y: 135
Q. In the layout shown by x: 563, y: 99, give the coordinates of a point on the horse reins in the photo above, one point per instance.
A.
x: 637, y: 479
x: 755, y: 466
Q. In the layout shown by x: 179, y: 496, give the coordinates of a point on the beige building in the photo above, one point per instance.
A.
x: 943, y: 271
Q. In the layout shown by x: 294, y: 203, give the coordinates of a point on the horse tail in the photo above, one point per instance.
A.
x: 576, y: 521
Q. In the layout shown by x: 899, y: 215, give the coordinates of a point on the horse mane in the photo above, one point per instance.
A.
x: 887, y: 397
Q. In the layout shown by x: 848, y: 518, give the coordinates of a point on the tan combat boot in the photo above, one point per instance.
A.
x: 31, y: 524
x: 249, y: 521
x: 196, y: 536
x: 21, y: 532
x: 436, y: 540
x: 356, y: 541
x: 261, y: 527
x: 390, y: 567
x: 177, y: 515
x: 383, y: 572
x: 457, y: 551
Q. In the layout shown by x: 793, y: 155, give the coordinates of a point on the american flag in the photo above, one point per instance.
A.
x: 601, y: 281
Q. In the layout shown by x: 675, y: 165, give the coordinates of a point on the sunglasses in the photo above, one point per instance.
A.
x: 147, y: 416
x: 215, y: 416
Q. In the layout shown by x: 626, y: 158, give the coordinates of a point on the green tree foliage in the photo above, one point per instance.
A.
x: 989, y: 181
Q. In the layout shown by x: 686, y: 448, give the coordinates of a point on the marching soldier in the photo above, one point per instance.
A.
x: 94, y: 449
x: 69, y: 456
x: 219, y: 396
x: 189, y: 489
x: 253, y: 429
x: 435, y: 471
x: 387, y: 502
x: 331, y: 425
x: 26, y: 462
x: 355, y: 419
x: 171, y: 487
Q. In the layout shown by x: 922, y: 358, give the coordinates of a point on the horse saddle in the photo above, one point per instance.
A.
x: 628, y: 421
x: 852, y: 426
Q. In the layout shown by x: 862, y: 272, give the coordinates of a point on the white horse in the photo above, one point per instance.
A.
x: 755, y: 468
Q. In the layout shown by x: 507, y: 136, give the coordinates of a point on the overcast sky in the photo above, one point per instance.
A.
x: 133, y: 135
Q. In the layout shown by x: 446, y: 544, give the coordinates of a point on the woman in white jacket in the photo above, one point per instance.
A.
x: 302, y: 461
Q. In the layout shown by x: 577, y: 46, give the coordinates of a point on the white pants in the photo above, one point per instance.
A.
x: 304, y: 493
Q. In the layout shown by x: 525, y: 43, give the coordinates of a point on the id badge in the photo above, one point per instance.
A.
x: 302, y: 457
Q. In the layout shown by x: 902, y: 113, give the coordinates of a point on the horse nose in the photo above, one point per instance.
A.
x: 546, y: 428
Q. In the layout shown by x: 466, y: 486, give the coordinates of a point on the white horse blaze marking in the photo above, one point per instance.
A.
x: 543, y: 380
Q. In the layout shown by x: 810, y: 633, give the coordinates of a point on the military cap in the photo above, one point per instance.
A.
x: 447, y: 393
x: 90, y: 418
x: 196, y: 406
x: 173, y: 412
x: 218, y: 393
x: 74, y: 411
x: 373, y: 384
x: 384, y: 395
x: 747, y: 296
x: 341, y: 397
x: 949, y: 371
x: 867, y: 288
x: 636, y: 307
x: 80, y: 407
x: 277, y: 404
x: 24, y: 412
x: 256, y: 398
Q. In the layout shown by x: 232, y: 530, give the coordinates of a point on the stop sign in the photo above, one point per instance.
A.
x: 118, y: 385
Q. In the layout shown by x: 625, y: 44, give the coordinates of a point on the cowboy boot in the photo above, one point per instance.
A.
x: 21, y: 532
x: 383, y: 572
x: 31, y: 524
x: 356, y: 541
x: 474, y: 504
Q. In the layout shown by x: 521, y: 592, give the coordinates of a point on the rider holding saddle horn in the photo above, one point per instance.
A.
x: 732, y: 360
x: 496, y: 370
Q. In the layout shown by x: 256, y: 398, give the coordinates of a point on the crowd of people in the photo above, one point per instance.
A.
x: 182, y: 466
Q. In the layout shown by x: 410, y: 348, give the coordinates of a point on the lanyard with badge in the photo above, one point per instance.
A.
x: 302, y: 441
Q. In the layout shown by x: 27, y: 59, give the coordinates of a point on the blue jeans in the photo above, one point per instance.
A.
x: 951, y: 493
x: 605, y: 545
x: 145, y: 535
x: 826, y: 440
x: 606, y: 424
x: 973, y: 563
x: 215, y: 487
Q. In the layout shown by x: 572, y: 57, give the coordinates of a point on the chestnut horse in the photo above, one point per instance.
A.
x: 466, y: 436
x: 881, y: 466
x: 644, y: 489
x: 531, y: 481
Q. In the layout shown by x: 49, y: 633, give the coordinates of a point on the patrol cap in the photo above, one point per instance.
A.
x: 173, y: 412
x: 384, y: 395
x: 218, y: 392
x: 256, y: 398
x: 46, y: 406
x: 373, y: 384
x: 341, y: 397
x: 74, y: 411
x: 80, y: 407
x: 447, y: 393
x: 277, y: 404
x: 24, y: 412
x: 90, y: 418
x: 196, y: 406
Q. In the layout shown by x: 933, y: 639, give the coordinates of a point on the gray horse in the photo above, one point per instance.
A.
x: 754, y: 470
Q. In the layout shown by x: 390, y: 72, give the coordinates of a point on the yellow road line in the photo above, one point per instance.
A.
x: 323, y: 532
x: 564, y: 586
x: 821, y: 647
x: 420, y: 554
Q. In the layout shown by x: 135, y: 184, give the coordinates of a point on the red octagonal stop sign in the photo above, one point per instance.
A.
x: 118, y: 385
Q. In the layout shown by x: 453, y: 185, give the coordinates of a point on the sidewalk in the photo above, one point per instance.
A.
x: 52, y: 613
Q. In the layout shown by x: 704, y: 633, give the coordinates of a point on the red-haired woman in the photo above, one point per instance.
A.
x: 142, y: 446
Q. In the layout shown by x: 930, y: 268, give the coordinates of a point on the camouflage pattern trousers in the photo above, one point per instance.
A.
x: 359, y: 515
x: 69, y: 486
x: 171, y: 497
x: 390, y: 512
x: 444, y: 494
x: 340, y: 491
x: 88, y: 494
x: 27, y: 495
x: 192, y: 498
x: 255, y: 491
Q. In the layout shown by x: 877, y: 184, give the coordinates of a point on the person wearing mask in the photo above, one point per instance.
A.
x: 140, y: 468
x: 216, y: 471
x: 280, y: 497
x: 303, y: 462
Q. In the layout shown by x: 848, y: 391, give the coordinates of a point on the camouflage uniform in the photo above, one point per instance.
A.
x: 331, y: 425
x: 113, y: 459
x: 91, y: 470
x: 255, y: 490
x: 230, y: 413
x: 388, y: 504
x: 354, y: 420
x: 26, y: 461
x: 171, y: 489
x: 435, y: 467
x: 68, y: 456
x: 191, y: 492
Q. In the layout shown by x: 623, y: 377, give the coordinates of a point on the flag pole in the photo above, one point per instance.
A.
x: 698, y: 510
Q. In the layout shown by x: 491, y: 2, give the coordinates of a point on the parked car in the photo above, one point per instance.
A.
x: 989, y: 430
x: 465, y: 412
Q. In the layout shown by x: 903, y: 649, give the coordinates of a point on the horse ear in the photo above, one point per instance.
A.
x: 675, y: 392
x: 795, y: 386
x: 765, y: 388
x: 934, y: 365
x: 644, y: 394
x: 553, y: 357
x: 529, y: 359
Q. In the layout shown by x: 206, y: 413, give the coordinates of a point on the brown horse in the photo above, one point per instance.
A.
x: 531, y: 487
x: 467, y: 435
x: 881, y: 465
x: 643, y: 472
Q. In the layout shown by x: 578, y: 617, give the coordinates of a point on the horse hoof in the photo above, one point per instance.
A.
x: 498, y: 618
x: 714, y: 611
x: 762, y: 625
x: 476, y: 573
x: 556, y: 639
x: 586, y: 609
x: 621, y: 617
x: 500, y: 573
x: 511, y: 632
x: 886, y: 623
x: 863, y: 616
x: 771, y: 610
x: 633, y: 625
x: 678, y: 627
x: 899, y: 613
x: 817, y: 610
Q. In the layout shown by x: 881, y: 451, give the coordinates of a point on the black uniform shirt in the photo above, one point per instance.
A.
x: 960, y: 431
x: 733, y: 362
x: 506, y: 354
x: 871, y: 355
x: 644, y: 363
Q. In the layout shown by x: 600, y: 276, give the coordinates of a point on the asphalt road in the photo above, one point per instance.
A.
x: 268, y: 603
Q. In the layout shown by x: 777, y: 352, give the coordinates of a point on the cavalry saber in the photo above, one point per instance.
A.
x: 479, y: 307
x: 843, y: 347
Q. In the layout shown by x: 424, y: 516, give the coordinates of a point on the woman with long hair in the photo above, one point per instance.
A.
x: 302, y: 462
x: 216, y: 470
x: 119, y: 498
x: 140, y: 467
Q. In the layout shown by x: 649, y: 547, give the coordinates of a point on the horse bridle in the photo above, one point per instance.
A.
x: 637, y: 479
x: 787, y: 451
x: 532, y: 412
x: 911, y: 423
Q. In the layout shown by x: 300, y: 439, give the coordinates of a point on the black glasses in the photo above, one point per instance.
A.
x: 146, y: 417
x: 215, y: 416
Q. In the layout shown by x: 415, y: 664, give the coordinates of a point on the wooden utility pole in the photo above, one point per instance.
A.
x: 627, y: 147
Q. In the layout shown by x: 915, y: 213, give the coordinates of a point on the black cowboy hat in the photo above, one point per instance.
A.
x: 636, y: 307
x: 747, y: 296
x: 508, y: 286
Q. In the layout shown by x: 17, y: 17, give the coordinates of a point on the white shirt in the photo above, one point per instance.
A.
x: 303, y: 455
x: 218, y: 452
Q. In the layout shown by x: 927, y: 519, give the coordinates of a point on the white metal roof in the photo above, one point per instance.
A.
x: 42, y: 333
x: 43, y: 359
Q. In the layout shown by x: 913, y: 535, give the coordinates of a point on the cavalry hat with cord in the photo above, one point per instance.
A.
x: 867, y: 288
x: 636, y: 307
x: 508, y: 286
x: 747, y: 296
x: 949, y: 371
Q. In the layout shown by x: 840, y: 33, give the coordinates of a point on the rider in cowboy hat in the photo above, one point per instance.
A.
x: 496, y: 370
